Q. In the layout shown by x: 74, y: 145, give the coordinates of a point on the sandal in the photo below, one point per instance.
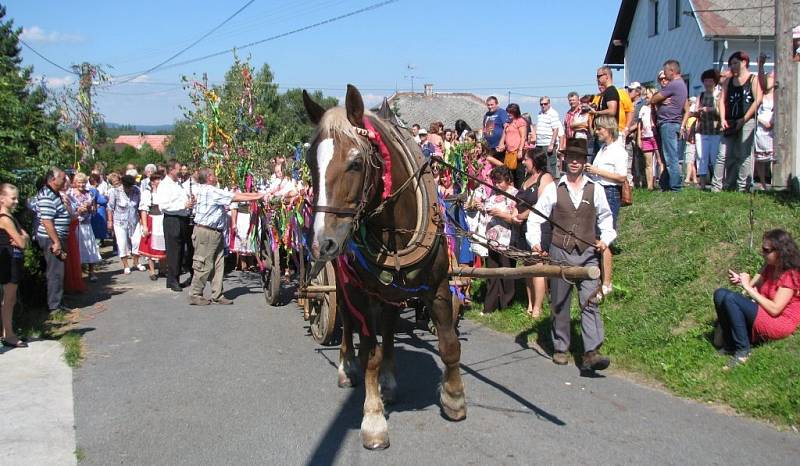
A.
x: 19, y: 343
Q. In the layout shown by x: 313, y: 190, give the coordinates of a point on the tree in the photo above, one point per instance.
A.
x: 241, y: 125
x: 29, y: 141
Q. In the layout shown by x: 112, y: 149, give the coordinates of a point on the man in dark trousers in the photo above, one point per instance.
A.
x: 176, y: 205
x: 575, y: 203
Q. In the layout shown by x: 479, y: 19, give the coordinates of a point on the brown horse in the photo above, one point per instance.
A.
x: 387, y: 246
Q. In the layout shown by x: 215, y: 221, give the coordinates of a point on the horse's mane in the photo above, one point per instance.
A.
x: 334, y: 124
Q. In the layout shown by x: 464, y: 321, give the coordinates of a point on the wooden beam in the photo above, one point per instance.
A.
x: 538, y: 270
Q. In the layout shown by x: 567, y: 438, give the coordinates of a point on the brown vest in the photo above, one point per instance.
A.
x: 580, y: 222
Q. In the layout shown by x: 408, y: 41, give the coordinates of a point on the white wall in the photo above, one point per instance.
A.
x: 645, y: 55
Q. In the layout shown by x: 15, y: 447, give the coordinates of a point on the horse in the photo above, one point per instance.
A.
x: 375, y: 216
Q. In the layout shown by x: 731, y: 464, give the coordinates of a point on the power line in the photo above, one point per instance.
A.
x: 744, y: 8
x: 136, y: 75
x: 285, y: 34
x: 47, y: 59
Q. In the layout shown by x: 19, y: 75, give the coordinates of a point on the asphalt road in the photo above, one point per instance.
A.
x: 168, y: 383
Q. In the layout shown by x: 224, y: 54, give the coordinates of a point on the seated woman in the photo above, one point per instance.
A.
x: 774, y: 310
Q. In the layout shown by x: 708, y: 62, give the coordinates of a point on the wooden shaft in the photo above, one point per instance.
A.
x: 538, y: 270
x: 319, y: 288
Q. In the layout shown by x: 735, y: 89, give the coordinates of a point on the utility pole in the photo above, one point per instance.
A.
x: 86, y: 115
x: 785, y: 173
x: 509, y: 98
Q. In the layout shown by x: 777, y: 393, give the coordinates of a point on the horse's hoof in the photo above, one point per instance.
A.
x: 345, y: 382
x: 375, y: 432
x: 453, y: 408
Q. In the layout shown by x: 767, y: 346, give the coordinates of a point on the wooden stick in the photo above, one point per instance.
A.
x: 538, y: 270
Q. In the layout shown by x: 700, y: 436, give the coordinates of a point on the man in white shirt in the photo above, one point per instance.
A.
x: 576, y: 203
x: 545, y: 133
x: 176, y: 206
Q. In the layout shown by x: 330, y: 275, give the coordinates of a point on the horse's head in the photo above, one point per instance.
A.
x: 341, y: 163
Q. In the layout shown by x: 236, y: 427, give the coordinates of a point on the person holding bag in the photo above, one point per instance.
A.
x: 515, y: 133
x: 610, y: 171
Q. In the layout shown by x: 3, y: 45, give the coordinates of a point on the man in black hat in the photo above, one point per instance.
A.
x: 577, y: 211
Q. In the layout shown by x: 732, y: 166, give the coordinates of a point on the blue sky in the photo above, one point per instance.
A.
x: 529, y: 47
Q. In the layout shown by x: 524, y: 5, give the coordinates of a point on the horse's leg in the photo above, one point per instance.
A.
x: 374, y: 428
x: 347, y: 371
x: 454, y: 405
x: 388, y: 383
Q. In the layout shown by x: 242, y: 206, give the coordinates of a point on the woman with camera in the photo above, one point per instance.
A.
x: 771, y: 309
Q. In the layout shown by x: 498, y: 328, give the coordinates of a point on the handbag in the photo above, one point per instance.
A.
x: 626, y: 196
x: 510, y: 160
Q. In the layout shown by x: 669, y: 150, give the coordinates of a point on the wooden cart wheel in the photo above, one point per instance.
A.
x: 323, y: 310
x: 272, y: 284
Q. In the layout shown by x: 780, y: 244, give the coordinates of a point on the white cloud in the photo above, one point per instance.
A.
x: 38, y: 35
x: 55, y: 81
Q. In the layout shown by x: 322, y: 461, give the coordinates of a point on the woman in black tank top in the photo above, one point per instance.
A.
x: 535, y: 162
x: 13, y: 241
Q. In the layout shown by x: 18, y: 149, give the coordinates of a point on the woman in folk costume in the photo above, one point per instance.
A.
x: 73, y: 273
x: 85, y: 205
x: 152, y: 244
x: 243, y: 229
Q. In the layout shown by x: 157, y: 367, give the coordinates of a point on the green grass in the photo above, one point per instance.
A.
x: 675, y: 251
x: 73, y: 351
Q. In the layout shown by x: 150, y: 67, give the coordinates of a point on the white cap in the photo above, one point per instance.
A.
x: 422, y: 132
x: 635, y: 85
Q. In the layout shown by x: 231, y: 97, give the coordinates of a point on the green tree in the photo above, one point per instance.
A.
x: 185, y: 141
x: 28, y: 128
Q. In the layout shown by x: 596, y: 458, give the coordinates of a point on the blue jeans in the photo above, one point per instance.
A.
x: 736, y: 314
x: 613, y: 196
x: 671, y: 148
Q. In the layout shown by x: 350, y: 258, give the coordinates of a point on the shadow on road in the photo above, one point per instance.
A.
x: 418, y: 378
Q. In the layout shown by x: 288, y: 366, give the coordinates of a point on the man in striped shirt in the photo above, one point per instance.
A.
x: 54, y: 219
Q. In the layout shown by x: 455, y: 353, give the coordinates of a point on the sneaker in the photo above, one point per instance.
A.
x: 141, y: 268
x: 594, y: 361
x: 195, y: 300
x: 606, y: 290
x: 127, y: 271
x: 739, y: 358
x: 560, y: 358
x: 222, y: 300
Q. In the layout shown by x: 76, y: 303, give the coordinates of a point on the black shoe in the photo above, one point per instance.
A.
x: 176, y: 288
x: 186, y: 283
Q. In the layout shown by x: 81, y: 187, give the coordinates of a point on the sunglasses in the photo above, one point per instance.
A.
x: 767, y: 250
x: 600, y: 75
x: 544, y: 104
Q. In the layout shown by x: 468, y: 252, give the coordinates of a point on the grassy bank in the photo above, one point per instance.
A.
x: 675, y: 250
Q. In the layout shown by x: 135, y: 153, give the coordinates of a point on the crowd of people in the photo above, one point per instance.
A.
x: 574, y: 172
x: 175, y: 220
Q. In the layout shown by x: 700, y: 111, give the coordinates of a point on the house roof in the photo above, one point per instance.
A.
x: 157, y: 141
x: 422, y: 109
x: 728, y: 19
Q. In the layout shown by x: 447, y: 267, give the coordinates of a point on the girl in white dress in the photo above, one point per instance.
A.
x: 84, y: 205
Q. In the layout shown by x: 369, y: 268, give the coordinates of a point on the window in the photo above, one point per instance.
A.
x: 675, y: 14
x: 653, y: 18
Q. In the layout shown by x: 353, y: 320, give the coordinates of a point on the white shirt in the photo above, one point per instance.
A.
x: 647, y: 121
x: 611, y: 157
x: 605, y: 221
x: 546, y: 122
x: 171, y: 198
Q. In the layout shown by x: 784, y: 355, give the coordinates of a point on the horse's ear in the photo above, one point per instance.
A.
x: 314, y: 110
x: 355, y: 106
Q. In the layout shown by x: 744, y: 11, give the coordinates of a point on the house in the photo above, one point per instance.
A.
x: 426, y: 107
x: 700, y: 34
x: 158, y: 142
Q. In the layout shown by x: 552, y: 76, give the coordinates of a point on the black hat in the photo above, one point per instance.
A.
x: 576, y: 148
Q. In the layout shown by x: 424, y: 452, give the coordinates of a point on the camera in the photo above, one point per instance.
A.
x: 585, y: 108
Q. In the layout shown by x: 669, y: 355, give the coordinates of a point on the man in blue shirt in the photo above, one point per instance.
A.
x: 670, y: 101
x: 210, y: 221
x: 493, y: 122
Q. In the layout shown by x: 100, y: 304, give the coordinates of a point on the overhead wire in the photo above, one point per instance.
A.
x: 47, y: 59
x: 183, y: 50
x: 285, y: 34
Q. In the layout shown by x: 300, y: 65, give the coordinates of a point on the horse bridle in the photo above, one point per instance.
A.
x: 369, y: 168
